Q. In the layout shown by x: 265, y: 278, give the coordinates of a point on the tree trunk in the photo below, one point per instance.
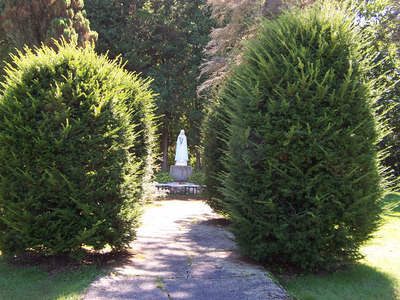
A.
x: 197, y: 159
x: 164, y: 148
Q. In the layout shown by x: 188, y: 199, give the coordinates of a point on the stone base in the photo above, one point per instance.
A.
x: 179, y: 188
x: 180, y: 173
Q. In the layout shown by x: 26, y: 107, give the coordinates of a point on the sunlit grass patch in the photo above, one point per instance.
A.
x: 377, y: 276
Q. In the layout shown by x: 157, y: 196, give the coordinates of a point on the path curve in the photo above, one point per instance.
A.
x: 183, y: 251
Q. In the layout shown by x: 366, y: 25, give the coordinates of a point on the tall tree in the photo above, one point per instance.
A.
x: 35, y: 22
x: 109, y: 18
x: 381, y: 21
x: 5, y: 49
x: 236, y: 20
x: 162, y: 39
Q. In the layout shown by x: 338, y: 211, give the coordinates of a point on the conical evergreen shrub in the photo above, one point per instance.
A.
x: 76, y: 137
x: 213, y: 145
x: 302, y: 181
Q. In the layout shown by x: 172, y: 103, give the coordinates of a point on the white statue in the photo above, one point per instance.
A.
x: 181, y: 155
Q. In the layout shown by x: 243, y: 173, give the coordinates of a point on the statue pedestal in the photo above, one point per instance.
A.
x: 180, y: 173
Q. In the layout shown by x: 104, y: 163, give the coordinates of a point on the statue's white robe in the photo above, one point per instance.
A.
x: 181, y: 155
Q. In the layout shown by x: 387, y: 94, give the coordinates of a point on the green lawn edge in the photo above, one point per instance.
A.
x: 377, y: 276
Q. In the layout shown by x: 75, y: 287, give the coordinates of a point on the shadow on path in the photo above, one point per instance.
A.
x: 184, y: 251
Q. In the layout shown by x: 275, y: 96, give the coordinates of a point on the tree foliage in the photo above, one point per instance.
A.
x: 35, y: 22
x: 75, y: 130
x: 214, y: 148
x: 162, y: 39
x: 380, y: 19
x: 302, y: 182
x: 5, y: 50
x: 237, y: 20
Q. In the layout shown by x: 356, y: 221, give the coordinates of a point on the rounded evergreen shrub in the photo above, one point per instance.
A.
x: 163, y: 177
x: 303, y: 183
x: 76, y: 138
x: 197, y: 177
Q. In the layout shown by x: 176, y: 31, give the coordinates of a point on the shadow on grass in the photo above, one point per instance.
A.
x: 184, y: 197
x: 393, y: 201
x: 31, y: 277
x: 359, y: 282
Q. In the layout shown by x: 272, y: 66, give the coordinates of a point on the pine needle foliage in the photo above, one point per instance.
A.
x: 34, y: 22
x: 302, y: 181
x: 76, y: 132
x: 214, y: 127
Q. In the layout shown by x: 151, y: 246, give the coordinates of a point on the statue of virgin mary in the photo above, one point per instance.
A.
x: 181, y: 155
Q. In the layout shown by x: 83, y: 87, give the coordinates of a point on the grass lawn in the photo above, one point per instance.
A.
x: 376, y: 277
x: 22, y: 282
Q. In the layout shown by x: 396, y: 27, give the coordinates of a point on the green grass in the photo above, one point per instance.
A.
x: 377, y: 276
x: 23, y: 283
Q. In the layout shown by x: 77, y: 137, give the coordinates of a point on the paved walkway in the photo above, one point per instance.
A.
x: 183, y: 251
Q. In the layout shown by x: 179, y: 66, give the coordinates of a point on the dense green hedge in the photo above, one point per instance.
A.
x: 197, y: 177
x: 163, y: 177
x: 76, y: 146
x: 213, y: 151
x: 301, y: 178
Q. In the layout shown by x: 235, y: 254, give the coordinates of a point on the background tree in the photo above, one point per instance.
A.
x: 164, y: 40
x: 380, y: 19
x: 236, y: 22
x: 35, y: 22
x: 5, y: 50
